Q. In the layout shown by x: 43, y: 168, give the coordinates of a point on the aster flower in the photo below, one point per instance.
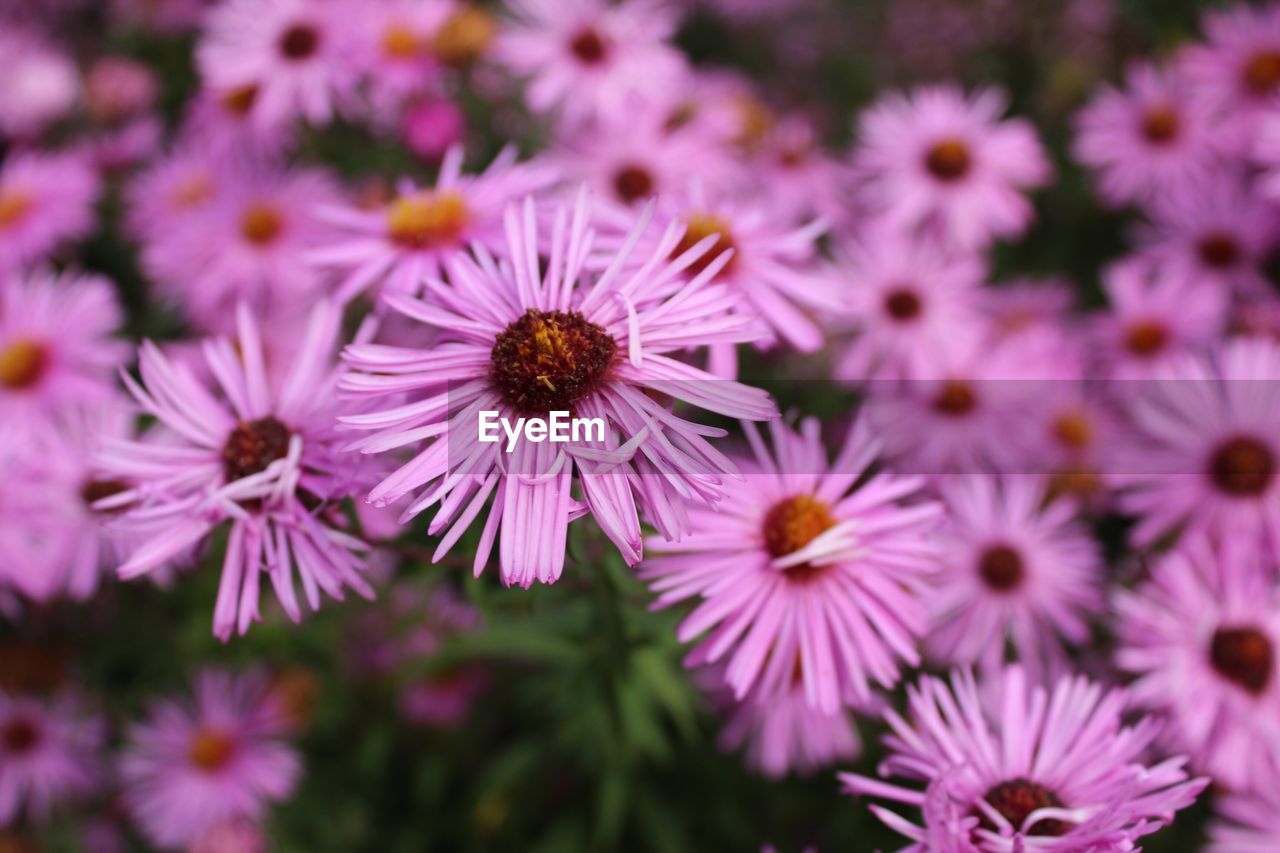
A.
x: 48, y: 754
x: 590, y: 59
x: 258, y: 452
x: 395, y: 48
x: 945, y: 161
x: 174, y: 188
x: 1205, y: 457
x: 1247, y: 822
x: 524, y: 341
x: 807, y: 576
x: 1201, y: 637
x: 32, y: 528
x: 295, y: 55
x: 45, y: 201
x: 1031, y: 769
x: 798, y: 175
x: 400, y: 246
x: 914, y: 305
x: 784, y: 734
x: 1017, y: 569
x: 195, y: 764
x: 1237, y: 69
x: 1148, y: 138
x: 40, y: 84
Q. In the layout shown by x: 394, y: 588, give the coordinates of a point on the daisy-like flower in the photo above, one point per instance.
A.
x: 40, y: 84
x: 296, y: 56
x: 57, y: 352
x: 1247, y: 822
x: 800, y: 177
x: 1206, y: 456
x: 220, y: 756
x: 1027, y: 306
x: 523, y: 341
x: 1157, y: 313
x: 173, y: 189
x: 945, y: 161
x: 807, y: 577
x: 914, y: 305
x: 245, y: 246
x: 32, y: 526
x: 1016, y: 569
x: 48, y: 754
x: 1238, y: 68
x: 1148, y: 138
x: 396, y: 48
x: 260, y: 453
x: 45, y: 201
x: 1029, y: 768
x: 400, y: 246
x: 1201, y: 636
x: 784, y: 734
x: 591, y: 59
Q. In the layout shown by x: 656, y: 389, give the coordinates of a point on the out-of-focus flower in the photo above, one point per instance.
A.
x: 785, y: 734
x: 1238, y: 68
x: 39, y: 85
x: 167, y: 195
x: 117, y: 88
x: 161, y: 16
x: 49, y: 752
x: 1030, y: 768
x: 520, y: 339
x: 45, y: 200
x: 1201, y: 637
x: 943, y: 161
x: 395, y: 49
x: 233, y: 836
x: 195, y: 765
x: 799, y: 177
x: 799, y: 562
x: 431, y: 127
x: 1247, y: 822
x: 261, y: 452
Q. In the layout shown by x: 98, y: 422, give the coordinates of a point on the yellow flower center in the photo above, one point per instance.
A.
x: 701, y: 226
x: 22, y: 363
x: 14, y: 205
x: 464, y: 36
x: 426, y: 220
x: 211, y: 749
x: 261, y: 223
x: 399, y: 41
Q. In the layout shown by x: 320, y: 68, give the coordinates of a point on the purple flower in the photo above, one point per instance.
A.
x: 168, y: 194
x: 395, y: 49
x: 1023, y: 768
x: 806, y: 575
x: 1201, y: 636
x: 785, y: 734
x: 1247, y: 822
x: 1238, y: 70
x: 260, y: 452
x: 49, y: 752
x: 194, y: 765
x: 45, y: 201
x: 944, y: 161
x: 40, y: 84
x: 519, y: 340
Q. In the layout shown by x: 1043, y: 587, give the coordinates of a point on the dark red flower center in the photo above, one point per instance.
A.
x: 956, y: 398
x: 1160, y: 124
x: 211, y: 749
x: 1243, y: 655
x: 241, y: 99
x: 261, y: 223
x: 1073, y: 430
x: 1015, y: 800
x: 19, y: 735
x: 549, y: 360
x: 948, y: 159
x: 589, y: 46
x: 98, y: 490
x: 299, y: 42
x: 1242, y: 467
x: 22, y: 364
x: 793, y: 523
x: 1219, y: 251
x: 254, y: 445
x: 700, y: 227
x: 633, y: 183
x: 1147, y: 338
x: 903, y: 304
x: 1001, y: 568
x: 1262, y: 72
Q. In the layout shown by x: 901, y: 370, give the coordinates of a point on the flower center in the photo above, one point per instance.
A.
x: 1001, y: 568
x: 261, y: 223
x: 1262, y: 72
x: 19, y: 735
x: 399, y: 41
x: 793, y: 523
x: 903, y: 305
x: 549, y: 360
x: 1219, y: 251
x: 98, y: 490
x: 22, y: 363
x: 956, y: 398
x: 1077, y: 482
x: 211, y: 749
x: 1146, y: 338
x: 589, y: 47
x: 700, y: 227
x: 1160, y: 124
x: 633, y: 183
x: 463, y: 37
x: 1243, y: 655
x: 192, y: 192
x: 1016, y: 799
x: 254, y: 445
x: 14, y: 206
x: 948, y: 160
x: 299, y: 42
x: 241, y: 99
x: 427, y: 220
x: 1242, y: 467
x: 1073, y: 430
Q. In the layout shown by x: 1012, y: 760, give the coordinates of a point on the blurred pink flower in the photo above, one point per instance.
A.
x: 45, y: 200
x: 49, y: 752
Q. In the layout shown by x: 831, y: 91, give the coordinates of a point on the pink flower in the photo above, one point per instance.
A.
x: 45, y: 201
x: 260, y: 452
x: 1238, y: 69
x: 1023, y: 768
x: 395, y: 50
x: 940, y: 160
x: 784, y: 734
x: 166, y: 196
x: 520, y: 340
x: 39, y: 86
x: 193, y: 765
x: 805, y: 576
x: 1201, y: 637
x: 118, y: 89
x: 1247, y: 822
x: 432, y: 126
x: 49, y: 752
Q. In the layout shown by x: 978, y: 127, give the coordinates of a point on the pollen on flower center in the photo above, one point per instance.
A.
x: 299, y: 42
x: 254, y: 445
x: 589, y: 46
x: 427, y: 219
x: 633, y: 183
x: 956, y: 398
x: 903, y: 304
x: 13, y: 207
x: 793, y: 523
x: 1160, y: 124
x: 19, y: 735
x: 1262, y: 72
x: 1001, y: 568
x: 1243, y: 655
x: 401, y: 42
x: 22, y: 363
x: 1146, y: 338
x: 211, y: 749
x: 1220, y: 251
x: 261, y: 223
x: 549, y: 360
x: 700, y: 227
x: 1242, y: 467
x: 464, y: 36
x: 948, y: 159
x: 1015, y: 800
